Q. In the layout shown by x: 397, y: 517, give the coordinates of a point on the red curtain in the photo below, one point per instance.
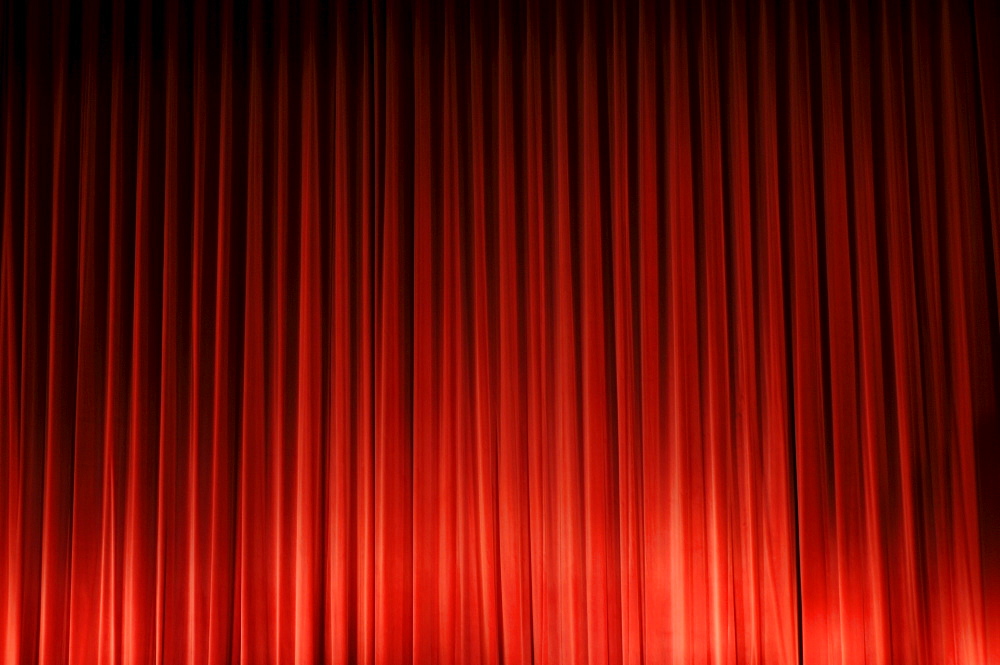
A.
x: 444, y: 332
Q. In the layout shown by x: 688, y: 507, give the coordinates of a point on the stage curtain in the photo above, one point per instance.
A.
x: 185, y: 297
x: 503, y: 331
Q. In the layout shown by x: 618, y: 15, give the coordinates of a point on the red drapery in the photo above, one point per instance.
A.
x: 504, y: 331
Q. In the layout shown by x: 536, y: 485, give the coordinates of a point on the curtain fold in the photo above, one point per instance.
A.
x: 421, y: 331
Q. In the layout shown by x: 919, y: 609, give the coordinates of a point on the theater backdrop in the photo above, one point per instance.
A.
x: 499, y: 331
